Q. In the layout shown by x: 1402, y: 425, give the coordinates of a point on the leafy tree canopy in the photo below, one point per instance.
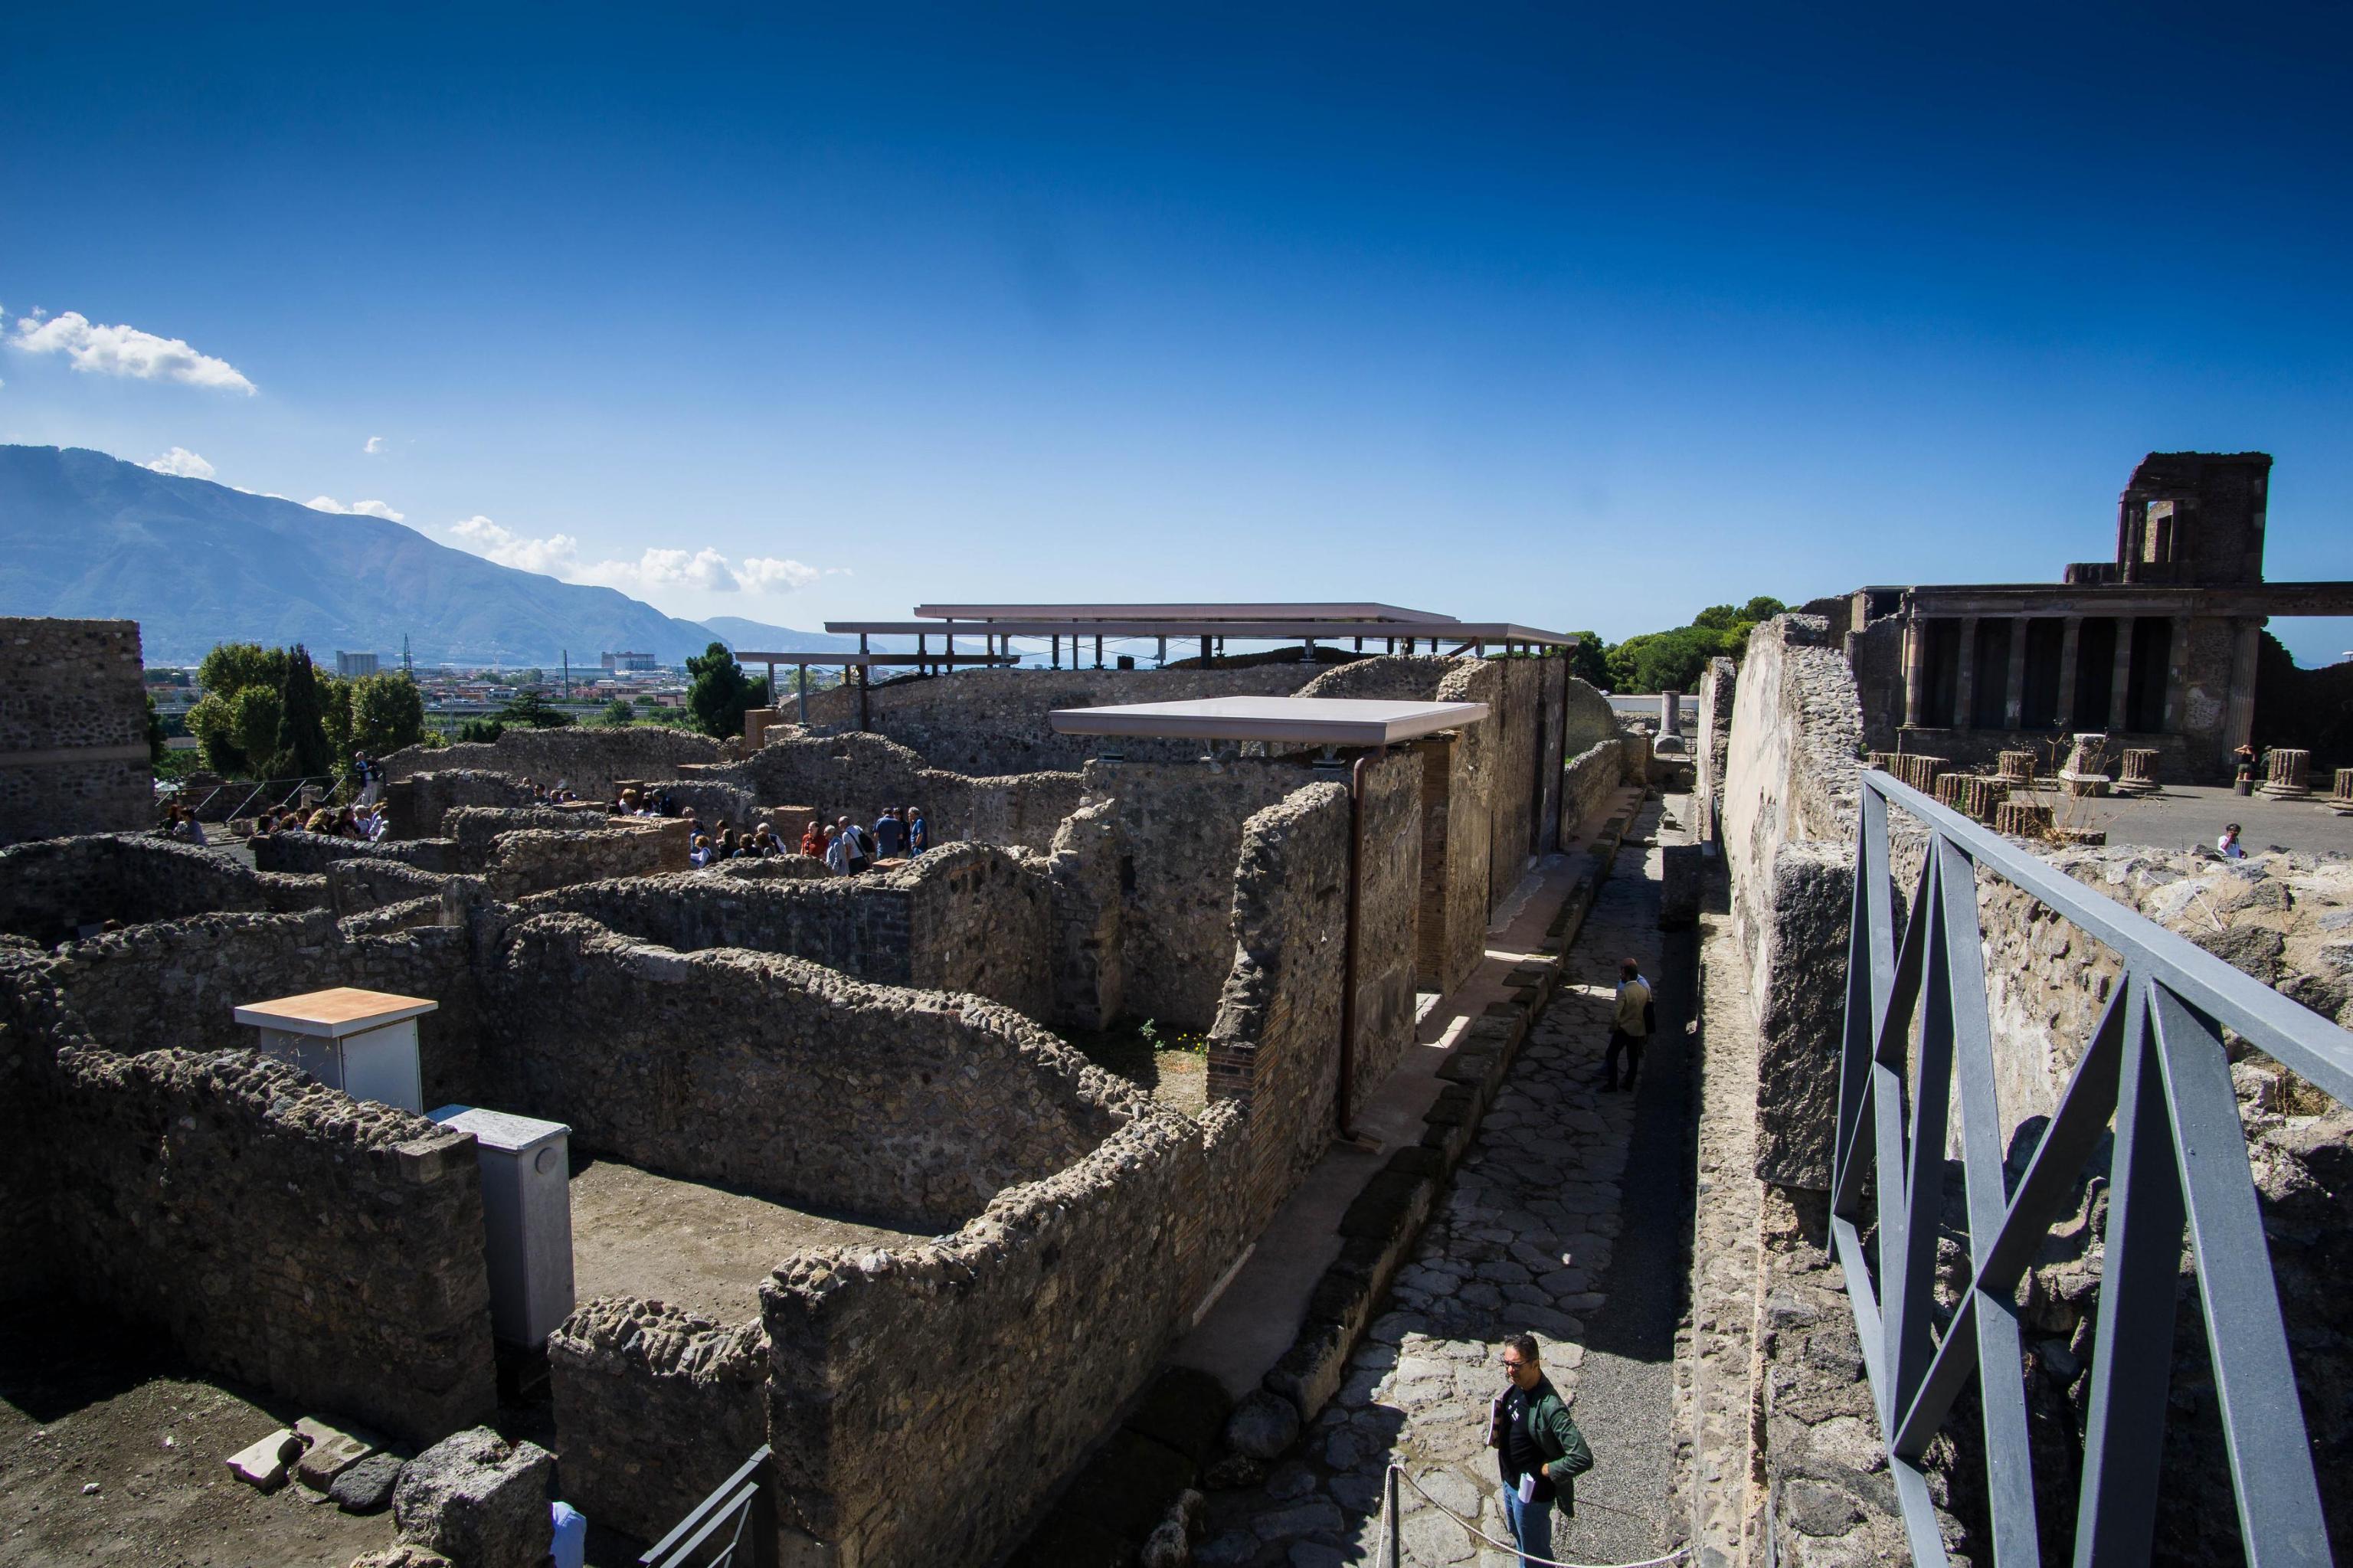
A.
x: 1677, y: 659
x: 618, y: 714
x: 718, y: 692
x: 529, y: 708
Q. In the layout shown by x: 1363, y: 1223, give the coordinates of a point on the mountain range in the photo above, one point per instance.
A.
x: 195, y: 562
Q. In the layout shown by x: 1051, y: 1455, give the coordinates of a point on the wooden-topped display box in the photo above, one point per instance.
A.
x: 360, y: 1041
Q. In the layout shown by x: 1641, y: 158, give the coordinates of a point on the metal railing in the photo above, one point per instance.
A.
x: 272, y: 793
x: 734, y: 1527
x: 2156, y: 1064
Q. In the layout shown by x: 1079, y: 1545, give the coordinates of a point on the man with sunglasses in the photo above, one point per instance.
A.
x: 1537, y: 1447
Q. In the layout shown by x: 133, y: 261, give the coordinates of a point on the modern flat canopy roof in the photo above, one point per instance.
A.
x: 826, y: 656
x: 1311, y: 721
x: 1177, y: 612
x: 1459, y: 632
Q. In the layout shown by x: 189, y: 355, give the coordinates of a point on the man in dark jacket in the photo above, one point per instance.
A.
x: 1537, y: 1447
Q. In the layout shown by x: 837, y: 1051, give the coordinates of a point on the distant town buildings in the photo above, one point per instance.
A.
x: 351, y: 666
x: 628, y: 660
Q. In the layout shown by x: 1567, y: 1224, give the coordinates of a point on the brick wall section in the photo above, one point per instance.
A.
x: 247, y: 1211
x: 963, y: 918
x: 364, y: 883
x: 476, y: 828
x: 1181, y: 826
x: 1085, y: 906
x: 858, y: 775
x: 990, y: 1361
x: 985, y: 722
x: 70, y: 686
x: 780, y: 1077
x: 301, y: 851
x: 49, y: 887
x: 591, y: 759
x: 1589, y: 782
x: 654, y: 1407
x: 1274, y: 1047
x: 1711, y: 746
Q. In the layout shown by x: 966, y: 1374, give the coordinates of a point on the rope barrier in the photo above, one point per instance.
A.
x: 1390, y: 1522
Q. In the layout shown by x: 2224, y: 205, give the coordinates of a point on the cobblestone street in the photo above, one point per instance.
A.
x: 1529, y: 1238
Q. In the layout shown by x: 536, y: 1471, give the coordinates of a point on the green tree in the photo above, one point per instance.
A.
x: 1764, y: 606
x: 387, y: 713
x: 302, y: 749
x: 618, y: 714
x: 154, y: 733
x: 529, y: 708
x: 482, y: 730
x: 335, y: 715
x: 1591, y: 662
x: 255, y: 716
x: 231, y: 667
x: 719, y: 691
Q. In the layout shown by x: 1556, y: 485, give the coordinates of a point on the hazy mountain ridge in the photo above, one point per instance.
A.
x: 195, y: 562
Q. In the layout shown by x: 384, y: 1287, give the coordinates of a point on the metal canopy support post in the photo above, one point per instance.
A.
x: 804, y: 685
x: 2157, y: 1061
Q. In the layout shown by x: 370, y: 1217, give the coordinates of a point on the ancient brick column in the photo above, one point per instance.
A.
x: 2021, y: 819
x: 2342, y: 800
x: 2288, y: 773
x: 2069, y: 642
x: 2018, y: 767
x: 2013, y: 701
x: 2138, y: 774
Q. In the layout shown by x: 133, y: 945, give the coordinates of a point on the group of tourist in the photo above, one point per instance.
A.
x: 846, y: 847
x: 556, y: 794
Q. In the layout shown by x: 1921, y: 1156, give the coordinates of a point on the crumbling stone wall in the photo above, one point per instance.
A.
x: 654, y: 1407
x: 1388, y: 898
x: 475, y: 829
x: 1274, y: 1046
x: 51, y: 887
x: 858, y: 775
x: 1181, y: 826
x: 1085, y: 908
x: 73, y: 729
x: 308, y: 852
x: 415, y: 803
x: 1712, y: 748
x: 783, y: 1079
x: 993, y: 722
x: 537, y: 859
x: 1590, y: 782
x: 176, y: 985
x: 243, y: 1209
x: 865, y: 1424
x: 364, y: 883
x: 1791, y: 786
x: 591, y: 759
x: 965, y: 918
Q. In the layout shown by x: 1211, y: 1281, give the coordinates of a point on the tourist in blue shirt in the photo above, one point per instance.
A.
x: 919, y: 834
x: 890, y: 834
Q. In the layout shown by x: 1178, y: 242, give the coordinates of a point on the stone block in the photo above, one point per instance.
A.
x: 479, y: 1501
x: 328, y: 1451
x: 1184, y: 1409
x: 1262, y: 1425
x: 366, y: 1487
x: 263, y: 1463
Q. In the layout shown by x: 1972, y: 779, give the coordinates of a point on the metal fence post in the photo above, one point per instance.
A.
x: 1392, y: 1546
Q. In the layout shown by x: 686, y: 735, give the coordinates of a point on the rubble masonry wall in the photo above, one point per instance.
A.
x: 73, y: 729
x: 858, y: 775
x: 780, y: 1077
x: 50, y: 887
x: 590, y: 759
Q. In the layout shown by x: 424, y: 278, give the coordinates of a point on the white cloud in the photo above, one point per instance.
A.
x: 706, y: 570
x: 774, y: 573
x: 183, y: 462
x: 124, y: 351
x: 356, y: 509
x: 375, y: 445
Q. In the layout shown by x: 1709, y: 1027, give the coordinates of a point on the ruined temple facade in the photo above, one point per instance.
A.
x: 2155, y: 648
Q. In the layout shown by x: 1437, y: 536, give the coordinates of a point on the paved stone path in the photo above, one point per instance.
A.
x: 1524, y: 1240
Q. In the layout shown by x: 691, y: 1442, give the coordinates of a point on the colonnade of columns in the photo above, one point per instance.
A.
x: 1918, y: 677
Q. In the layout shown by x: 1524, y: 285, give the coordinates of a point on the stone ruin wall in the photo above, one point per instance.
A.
x: 1711, y: 746
x: 415, y: 804
x: 51, y: 887
x: 1590, y: 781
x: 591, y: 759
x: 864, y: 1426
x: 241, y: 1209
x: 965, y: 918
x: 655, y: 1407
x: 73, y: 729
x: 302, y: 852
x: 1788, y: 818
x: 1389, y: 901
x: 907, y: 1106
x: 857, y: 775
x: 536, y: 859
x: 1273, y: 1048
x: 993, y: 722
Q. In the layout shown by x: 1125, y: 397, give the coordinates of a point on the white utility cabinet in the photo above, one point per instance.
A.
x: 526, y: 1167
x: 360, y: 1041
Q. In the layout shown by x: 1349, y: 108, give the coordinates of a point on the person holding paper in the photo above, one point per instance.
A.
x: 1539, y: 1449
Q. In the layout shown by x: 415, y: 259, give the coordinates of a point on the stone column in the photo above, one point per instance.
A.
x: 1915, y: 638
x: 2239, y: 717
x: 2120, y: 683
x: 2068, y: 643
x: 1965, y: 675
x: 2013, y: 701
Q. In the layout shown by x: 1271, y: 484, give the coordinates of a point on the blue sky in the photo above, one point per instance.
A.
x: 1562, y: 316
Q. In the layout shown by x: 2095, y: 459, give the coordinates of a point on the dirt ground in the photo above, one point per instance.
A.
x: 1177, y: 1076
x: 701, y: 1247
x: 86, y: 1400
